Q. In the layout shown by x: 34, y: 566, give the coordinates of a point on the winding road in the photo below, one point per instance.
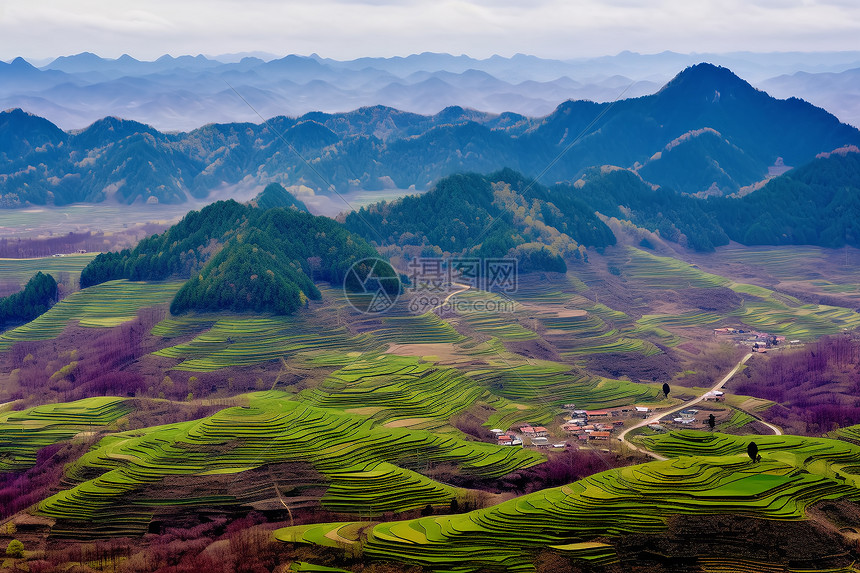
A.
x: 463, y: 288
x: 662, y: 414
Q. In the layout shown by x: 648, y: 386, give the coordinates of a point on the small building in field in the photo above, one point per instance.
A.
x: 600, y: 435
x: 601, y: 413
x: 726, y: 330
x: 540, y: 442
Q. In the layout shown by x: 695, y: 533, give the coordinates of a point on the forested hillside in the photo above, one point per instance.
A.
x: 498, y: 215
x: 37, y: 297
x: 239, y: 257
x: 743, y: 131
x: 815, y: 204
x: 507, y: 214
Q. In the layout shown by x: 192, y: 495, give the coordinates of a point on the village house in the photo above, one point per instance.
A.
x: 509, y: 440
x: 726, y: 330
x: 601, y: 413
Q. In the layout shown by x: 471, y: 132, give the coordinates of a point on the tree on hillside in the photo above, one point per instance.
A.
x: 752, y: 452
x: 712, y: 422
x: 15, y: 549
x: 666, y: 389
x: 39, y: 294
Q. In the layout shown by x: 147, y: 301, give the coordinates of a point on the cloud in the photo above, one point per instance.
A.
x: 353, y: 28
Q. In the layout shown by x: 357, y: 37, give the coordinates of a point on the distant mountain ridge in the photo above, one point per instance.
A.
x: 186, y: 92
x: 379, y: 147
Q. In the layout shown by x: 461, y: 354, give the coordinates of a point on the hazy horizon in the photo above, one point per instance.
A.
x: 384, y: 28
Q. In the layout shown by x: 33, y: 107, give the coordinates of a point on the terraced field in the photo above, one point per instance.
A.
x: 763, y: 309
x: 22, y: 270
x: 557, y: 384
x: 636, y: 499
x: 367, y: 469
x: 101, y: 306
x: 667, y: 273
x: 24, y: 433
x: 601, y: 329
x: 737, y: 420
x: 389, y: 388
x: 405, y: 328
x: 786, y: 263
x: 802, y: 321
x: 684, y: 320
x: 235, y: 340
x: 850, y: 434
x: 827, y: 457
x: 500, y: 322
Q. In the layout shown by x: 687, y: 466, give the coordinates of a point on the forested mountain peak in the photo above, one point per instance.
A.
x: 239, y: 257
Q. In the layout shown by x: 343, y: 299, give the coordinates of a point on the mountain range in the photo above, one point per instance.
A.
x: 186, y: 92
x: 706, y: 131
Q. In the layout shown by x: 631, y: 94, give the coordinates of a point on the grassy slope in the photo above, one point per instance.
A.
x: 366, y: 467
x: 636, y: 499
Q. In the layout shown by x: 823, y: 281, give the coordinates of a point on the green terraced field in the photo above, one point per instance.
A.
x: 22, y: 270
x: 501, y: 324
x: 585, y: 326
x: 425, y: 328
x: 556, y: 384
x: 684, y: 320
x: 636, y: 499
x: 24, y: 433
x: 367, y: 469
x: 236, y: 340
x: 667, y: 273
x: 102, y: 306
x: 539, y: 292
x: 769, y: 311
x: 601, y: 330
x: 824, y: 456
x: 850, y: 434
x: 389, y: 387
x: 785, y: 263
x: 806, y: 322
x: 620, y: 345
x: 737, y: 420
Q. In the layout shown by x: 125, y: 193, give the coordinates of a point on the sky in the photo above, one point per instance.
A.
x: 346, y: 29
